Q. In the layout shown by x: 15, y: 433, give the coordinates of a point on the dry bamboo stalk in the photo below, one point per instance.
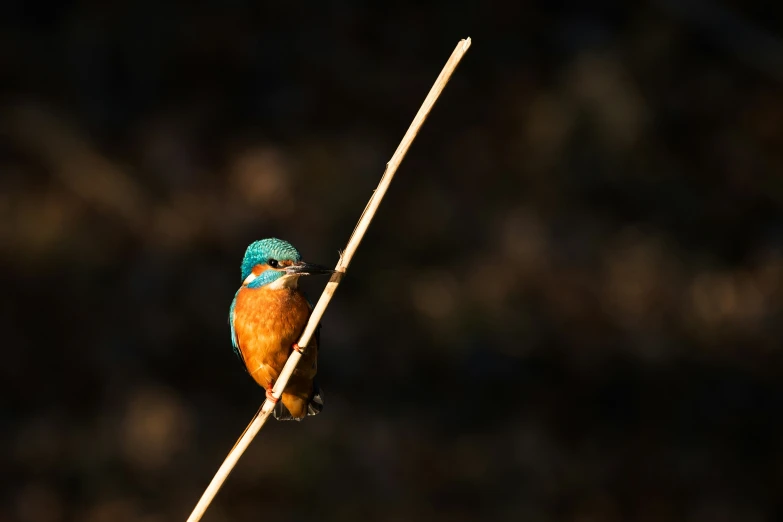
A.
x: 345, y: 258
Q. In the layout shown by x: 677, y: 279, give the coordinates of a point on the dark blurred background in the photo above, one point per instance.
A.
x: 567, y: 308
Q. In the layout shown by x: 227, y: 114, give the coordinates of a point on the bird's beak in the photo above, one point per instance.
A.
x: 302, y: 268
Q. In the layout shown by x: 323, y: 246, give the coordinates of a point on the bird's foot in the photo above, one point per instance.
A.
x: 270, y: 396
x: 296, y: 348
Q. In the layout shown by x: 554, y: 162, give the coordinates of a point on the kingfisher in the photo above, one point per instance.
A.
x: 267, y: 317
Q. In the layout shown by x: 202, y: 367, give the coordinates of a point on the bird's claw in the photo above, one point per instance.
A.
x: 270, y: 396
x: 295, y: 347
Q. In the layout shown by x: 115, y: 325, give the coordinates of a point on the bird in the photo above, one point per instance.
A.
x: 267, y: 316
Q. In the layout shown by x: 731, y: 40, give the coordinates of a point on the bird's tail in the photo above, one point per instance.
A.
x: 314, y: 406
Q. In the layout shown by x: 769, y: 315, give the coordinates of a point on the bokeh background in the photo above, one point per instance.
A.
x: 567, y: 309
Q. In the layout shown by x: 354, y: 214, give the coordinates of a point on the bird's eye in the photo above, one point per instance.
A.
x: 272, y: 263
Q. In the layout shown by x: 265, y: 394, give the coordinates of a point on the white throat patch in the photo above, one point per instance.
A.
x: 287, y: 281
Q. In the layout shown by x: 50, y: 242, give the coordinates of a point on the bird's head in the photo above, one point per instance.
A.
x: 276, y: 263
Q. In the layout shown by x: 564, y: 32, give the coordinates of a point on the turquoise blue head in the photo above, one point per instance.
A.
x: 274, y: 261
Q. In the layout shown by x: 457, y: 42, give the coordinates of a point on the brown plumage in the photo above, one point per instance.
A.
x: 268, y: 321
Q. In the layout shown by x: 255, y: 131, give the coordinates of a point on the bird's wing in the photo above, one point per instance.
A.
x: 234, y: 340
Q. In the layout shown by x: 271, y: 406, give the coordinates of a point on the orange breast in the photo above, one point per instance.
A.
x: 267, y: 324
